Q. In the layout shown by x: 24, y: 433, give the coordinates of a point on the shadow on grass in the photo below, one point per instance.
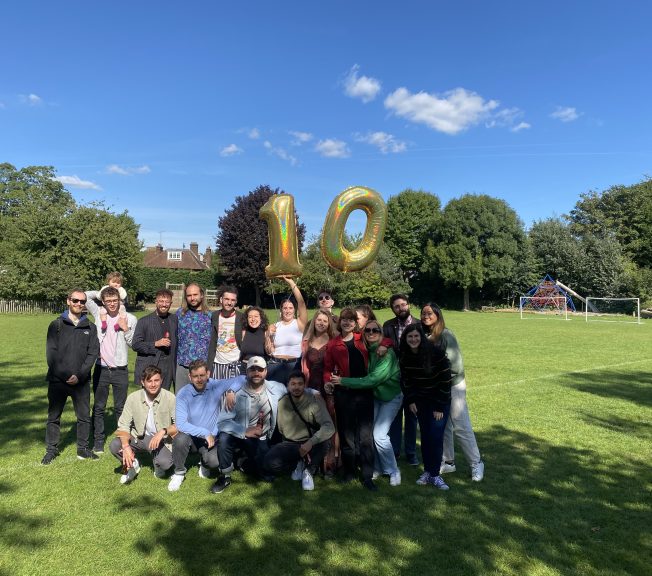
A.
x: 540, y: 506
x: 633, y: 387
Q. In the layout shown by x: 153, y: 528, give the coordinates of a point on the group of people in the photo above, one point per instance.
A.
x: 304, y: 397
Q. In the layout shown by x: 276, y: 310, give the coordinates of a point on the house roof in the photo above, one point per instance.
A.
x: 159, y: 257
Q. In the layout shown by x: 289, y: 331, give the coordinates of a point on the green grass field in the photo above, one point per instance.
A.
x: 563, y: 416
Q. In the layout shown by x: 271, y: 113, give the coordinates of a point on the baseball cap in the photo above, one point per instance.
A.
x: 258, y: 361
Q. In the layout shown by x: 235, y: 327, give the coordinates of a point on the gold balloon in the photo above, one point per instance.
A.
x: 332, y: 239
x: 279, y: 214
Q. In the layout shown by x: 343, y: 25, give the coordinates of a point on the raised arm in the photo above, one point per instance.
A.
x: 302, y: 311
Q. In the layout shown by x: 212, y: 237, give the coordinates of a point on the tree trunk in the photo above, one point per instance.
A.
x: 257, y: 288
x: 466, y: 300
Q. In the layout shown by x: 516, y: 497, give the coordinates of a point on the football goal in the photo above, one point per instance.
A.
x: 613, y: 310
x: 543, y: 307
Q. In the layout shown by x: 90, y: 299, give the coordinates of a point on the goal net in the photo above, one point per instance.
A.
x: 543, y: 307
x: 613, y: 310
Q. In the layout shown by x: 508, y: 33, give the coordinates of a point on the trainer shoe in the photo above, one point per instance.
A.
x: 49, y: 456
x: 86, y: 454
x: 131, y: 474
x: 376, y: 475
x: 395, y: 478
x: 98, y: 448
x: 159, y: 473
x: 424, y: 479
x: 370, y: 485
x: 307, y: 483
x: 447, y: 467
x: 222, y: 483
x: 204, y: 472
x: 298, y: 471
x: 477, y: 471
x: 175, y: 482
x: 438, y: 482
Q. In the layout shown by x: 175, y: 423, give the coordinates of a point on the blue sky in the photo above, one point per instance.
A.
x: 169, y: 110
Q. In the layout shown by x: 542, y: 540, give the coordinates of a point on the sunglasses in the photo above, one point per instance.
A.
x: 77, y: 301
x: 323, y: 297
x: 373, y: 331
x: 256, y: 369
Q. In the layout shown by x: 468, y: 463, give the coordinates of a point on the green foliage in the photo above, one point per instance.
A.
x: 49, y: 244
x: 242, y: 242
x: 477, y: 244
x: 152, y: 279
x: 411, y: 216
x: 373, y: 285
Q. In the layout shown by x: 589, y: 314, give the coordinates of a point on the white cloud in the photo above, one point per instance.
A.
x: 331, y: 148
x: 280, y: 153
x: 386, y: 143
x: 31, y: 99
x: 451, y: 112
x: 231, y: 150
x: 254, y: 133
x: 363, y: 87
x: 127, y: 171
x: 521, y: 126
x: 75, y: 181
x: 565, y: 114
x: 300, y: 137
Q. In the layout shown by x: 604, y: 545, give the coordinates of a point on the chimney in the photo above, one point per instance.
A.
x: 208, y: 257
x: 194, y: 248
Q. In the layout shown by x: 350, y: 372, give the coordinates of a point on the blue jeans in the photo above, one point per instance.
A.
x: 432, y: 434
x: 384, y: 413
x: 396, y: 433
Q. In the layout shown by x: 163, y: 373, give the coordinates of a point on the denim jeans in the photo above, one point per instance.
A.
x: 432, y: 434
x: 396, y: 433
x: 384, y: 414
x: 252, y: 451
x: 103, y: 379
x: 459, y: 427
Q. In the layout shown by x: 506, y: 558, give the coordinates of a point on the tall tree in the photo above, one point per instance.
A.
x: 411, y: 216
x: 49, y: 244
x: 477, y: 244
x: 242, y: 243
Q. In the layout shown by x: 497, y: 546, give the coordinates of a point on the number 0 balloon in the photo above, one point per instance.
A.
x: 332, y: 240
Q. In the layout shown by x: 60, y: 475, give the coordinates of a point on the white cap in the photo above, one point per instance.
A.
x: 256, y: 361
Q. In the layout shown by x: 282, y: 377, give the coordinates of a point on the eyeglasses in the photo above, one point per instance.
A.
x: 373, y: 331
x: 77, y: 301
x: 324, y: 297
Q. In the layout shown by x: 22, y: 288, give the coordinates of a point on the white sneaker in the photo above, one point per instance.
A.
x: 175, y: 482
x: 395, y: 478
x: 298, y: 471
x: 131, y: 473
x: 204, y: 472
x: 447, y: 468
x: 307, y: 483
x: 477, y: 471
x: 375, y: 475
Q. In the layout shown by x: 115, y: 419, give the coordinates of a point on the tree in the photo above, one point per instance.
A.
x: 373, y: 285
x: 477, y: 244
x: 411, y: 216
x: 242, y: 243
x: 49, y: 244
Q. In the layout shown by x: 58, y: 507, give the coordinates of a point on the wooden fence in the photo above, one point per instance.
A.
x: 31, y: 307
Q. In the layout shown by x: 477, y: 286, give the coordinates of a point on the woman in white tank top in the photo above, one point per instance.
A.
x: 287, y: 335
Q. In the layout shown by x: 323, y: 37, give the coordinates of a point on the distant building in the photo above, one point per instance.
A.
x: 178, y: 258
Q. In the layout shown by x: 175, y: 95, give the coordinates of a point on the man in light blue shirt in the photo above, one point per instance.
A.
x: 196, y: 419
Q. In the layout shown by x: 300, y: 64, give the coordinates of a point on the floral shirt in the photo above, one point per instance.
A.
x: 193, y: 337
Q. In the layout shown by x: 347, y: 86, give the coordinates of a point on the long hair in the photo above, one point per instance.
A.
x: 366, y: 311
x: 310, y: 332
x: 264, y: 322
x: 424, y: 355
x: 434, y: 333
x: 203, y: 307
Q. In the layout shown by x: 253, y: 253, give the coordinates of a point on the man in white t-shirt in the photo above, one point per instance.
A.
x: 226, y: 336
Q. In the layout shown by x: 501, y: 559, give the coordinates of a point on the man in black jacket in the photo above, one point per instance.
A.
x: 155, y: 340
x: 72, y: 348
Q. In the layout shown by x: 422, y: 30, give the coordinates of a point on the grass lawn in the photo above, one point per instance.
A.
x: 563, y: 416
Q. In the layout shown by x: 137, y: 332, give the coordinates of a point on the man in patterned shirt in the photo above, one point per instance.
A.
x: 193, y: 332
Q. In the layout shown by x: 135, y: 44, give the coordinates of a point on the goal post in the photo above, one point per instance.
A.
x: 626, y: 310
x: 543, y: 306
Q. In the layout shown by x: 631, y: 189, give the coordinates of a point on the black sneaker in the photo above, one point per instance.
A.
x: 49, y: 456
x: 223, y: 482
x: 98, y: 448
x: 86, y: 454
x: 370, y: 485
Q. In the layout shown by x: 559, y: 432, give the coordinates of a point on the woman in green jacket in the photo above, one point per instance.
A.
x: 384, y: 377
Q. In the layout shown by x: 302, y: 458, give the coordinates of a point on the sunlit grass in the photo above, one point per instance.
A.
x: 563, y: 416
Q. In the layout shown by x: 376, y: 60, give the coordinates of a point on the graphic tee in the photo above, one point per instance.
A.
x: 227, y: 350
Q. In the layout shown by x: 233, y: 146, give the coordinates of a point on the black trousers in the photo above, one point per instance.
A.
x: 355, y: 419
x: 58, y: 393
x: 103, y: 379
x: 283, y: 457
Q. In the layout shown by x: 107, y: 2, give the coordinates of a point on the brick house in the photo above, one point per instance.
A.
x: 178, y: 258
